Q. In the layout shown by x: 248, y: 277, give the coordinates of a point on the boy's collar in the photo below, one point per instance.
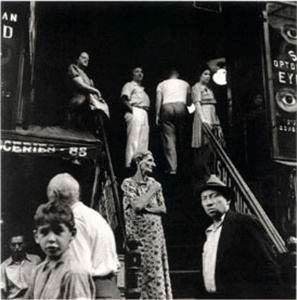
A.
x: 53, y: 264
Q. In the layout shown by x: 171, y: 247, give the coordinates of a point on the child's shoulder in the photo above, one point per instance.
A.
x: 39, y: 268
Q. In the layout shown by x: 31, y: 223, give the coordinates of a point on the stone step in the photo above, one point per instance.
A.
x: 180, y: 234
x: 185, y: 284
x: 184, y: 258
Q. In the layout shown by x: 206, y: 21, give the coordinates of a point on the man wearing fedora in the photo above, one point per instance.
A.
x: 237, y: 260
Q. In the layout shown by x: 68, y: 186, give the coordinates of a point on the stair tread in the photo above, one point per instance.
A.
x: 184, y: 271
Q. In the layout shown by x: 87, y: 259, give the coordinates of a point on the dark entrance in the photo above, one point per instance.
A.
x: 118, y: 36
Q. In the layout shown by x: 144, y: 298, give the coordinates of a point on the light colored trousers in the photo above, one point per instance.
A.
x: 137, y: 133
x: 172, y: 118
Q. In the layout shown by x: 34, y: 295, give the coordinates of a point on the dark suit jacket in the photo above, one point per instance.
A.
x: 245, y: 266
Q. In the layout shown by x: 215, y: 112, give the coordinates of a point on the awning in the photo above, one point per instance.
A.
x: 50, y: 141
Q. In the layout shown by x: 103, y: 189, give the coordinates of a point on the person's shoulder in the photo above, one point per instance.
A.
x: 39, y: 267
x: 34, y: 257
x: 6, y: 261
x: 183, y: 81
x: 128, y: 84
x: 197, y: 85
x: 127, y: 182
x: 152, y: 180
x: 84, y: 208
x: 92, y: 216
x: 245, y: 219
x: 74, y: 71
x: 72, y: 66
x: 127, y: 89
x: 160, y: 84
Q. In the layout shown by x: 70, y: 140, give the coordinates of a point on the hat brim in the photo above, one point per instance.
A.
x: 226, y: 191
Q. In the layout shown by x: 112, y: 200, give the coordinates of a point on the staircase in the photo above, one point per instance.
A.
x: 184, y: 227
x: 185, y: 222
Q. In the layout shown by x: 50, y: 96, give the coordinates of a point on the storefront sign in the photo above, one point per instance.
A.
x: 56, y: 149
x: 282, y: 42
x: 12, y: 26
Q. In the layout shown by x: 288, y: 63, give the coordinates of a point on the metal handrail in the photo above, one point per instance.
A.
x: 246, y: 198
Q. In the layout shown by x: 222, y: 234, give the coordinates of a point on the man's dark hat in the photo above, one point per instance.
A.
x: 214, y: 183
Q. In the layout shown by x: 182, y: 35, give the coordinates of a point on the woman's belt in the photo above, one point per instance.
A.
x: 146, y: 108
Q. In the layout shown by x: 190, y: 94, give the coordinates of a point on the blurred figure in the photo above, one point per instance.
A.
x: 172, y: 98
x: 94, y: 245
x: 288, y: 263
x: 16, y: 271
x: 136, y: 103
x: 144, y: 206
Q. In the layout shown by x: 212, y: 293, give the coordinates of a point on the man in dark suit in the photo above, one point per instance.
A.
x: 238, y: 261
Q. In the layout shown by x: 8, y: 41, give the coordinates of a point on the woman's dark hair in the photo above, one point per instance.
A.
x: 202, y: 68
x: 77, y: 54
x: 134, y: 68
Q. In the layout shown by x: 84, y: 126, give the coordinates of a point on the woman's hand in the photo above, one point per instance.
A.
x: 156, y: 210
x: 142, y: 201
x: 155, y: 187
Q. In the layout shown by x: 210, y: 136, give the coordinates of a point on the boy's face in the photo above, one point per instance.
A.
x: 54, y: 239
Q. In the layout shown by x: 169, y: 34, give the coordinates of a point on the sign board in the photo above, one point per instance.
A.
x: 32, y: 145
x: 281, y: 54
x: 12, y: 30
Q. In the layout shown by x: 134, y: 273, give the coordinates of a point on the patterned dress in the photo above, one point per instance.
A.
x: 154, y: 278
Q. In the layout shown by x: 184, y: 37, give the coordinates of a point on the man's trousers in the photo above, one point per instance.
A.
x: 172, y: 119
x: 137, y: 132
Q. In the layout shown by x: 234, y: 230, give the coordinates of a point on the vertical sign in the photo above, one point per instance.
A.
x: 12, y: 22
x: 281, y: 42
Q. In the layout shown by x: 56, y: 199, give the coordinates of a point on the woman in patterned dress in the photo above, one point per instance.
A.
x: 144, y: 205
x: 205, y: 112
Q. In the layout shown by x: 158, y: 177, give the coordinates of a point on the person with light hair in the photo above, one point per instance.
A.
x: 144, y: 206
x: 94, y: 245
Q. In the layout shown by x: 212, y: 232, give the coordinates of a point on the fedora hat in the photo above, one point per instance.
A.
x: 214, y: 183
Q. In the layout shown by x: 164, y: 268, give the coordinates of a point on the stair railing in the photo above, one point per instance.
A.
x: 246, y: 201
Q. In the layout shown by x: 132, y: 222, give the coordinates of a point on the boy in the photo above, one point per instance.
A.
x: 58, y: 277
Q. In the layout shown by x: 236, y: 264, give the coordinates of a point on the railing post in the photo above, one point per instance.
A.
x: 112, y: 178
x: 133, y: 261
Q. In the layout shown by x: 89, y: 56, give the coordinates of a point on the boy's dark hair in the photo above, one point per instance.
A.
x: 53, y: 213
